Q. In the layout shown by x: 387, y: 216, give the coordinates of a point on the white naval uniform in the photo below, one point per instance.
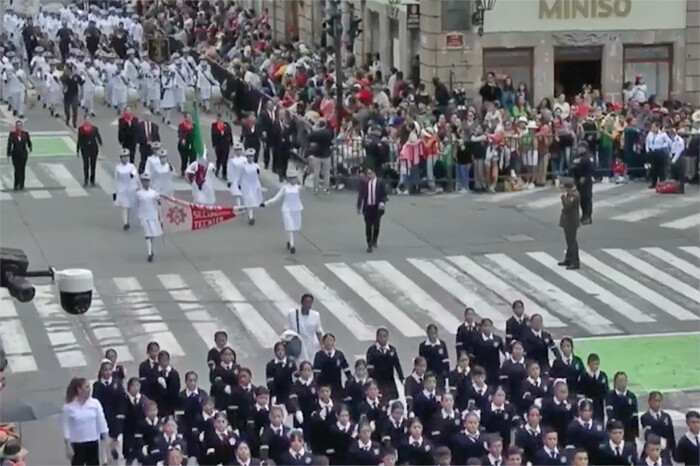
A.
x: 291, y: 206
x: 149, y: 212
x: 180, y: 84
x: 234, y: 172
x: 126, y: 179
x: 161, y: 176
x: 167, y: 100
x: 251, y: 189
x: 120, y: 90
x: 205, y: 81
x: 206, y: 195
x: 153, y: 88
x: 16, y: 87
x: 90, y: 83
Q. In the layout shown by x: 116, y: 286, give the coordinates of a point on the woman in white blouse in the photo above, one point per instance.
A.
x: 84, y: 424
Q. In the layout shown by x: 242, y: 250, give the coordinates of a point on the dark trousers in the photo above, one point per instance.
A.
x: 571, y: 245
x: 89, y: 164
x: 585, y: 189
x: 70, y: 107
x: 658, y: 166
x: 146, y: 152
x: 280, y: 160
x: 86, y: 454
x: 186, y: 158
x: 373, y: 217
x: 267, y: 151
x: 678, y: 173
x: 222, y: 158
x: 19, y: 162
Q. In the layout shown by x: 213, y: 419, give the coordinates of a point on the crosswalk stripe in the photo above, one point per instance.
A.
x: 6, y: 178
x: 34, y: 185
x: 457, y: 284
x: 269, y: 287
x: 248, y: 316
x: 683, y: 223
x: 591, y: 288
x: 556, y: 199
x: 104, y: 180
x: 335, y: 305
x: 389, y: 277
x: 499, y: 197
x: 682, y: 265
x: 620, y: 200
x: 204, y: 324
x: 106, y: 332
x: 661, y: 208
x: 13, y: 337
x: 692, y: 250
x: 58, y: 328
x: 154, y: 328
x: 555, y: 298
x: 659, y: 301
x: 655, y: 274
x: 503, y: 289
x: 385, y: 308
x: 61, y: 174
x: 5, y: 197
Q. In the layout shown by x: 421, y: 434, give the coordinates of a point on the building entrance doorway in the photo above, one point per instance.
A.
x: 575, y: 67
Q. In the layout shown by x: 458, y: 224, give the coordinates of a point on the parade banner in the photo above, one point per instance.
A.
x: 178, y: 215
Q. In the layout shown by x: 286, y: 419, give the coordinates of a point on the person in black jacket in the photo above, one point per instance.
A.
x: 621, y: 405
x: 279, y: 374
x: 147, y: 133
x: 467, y: 333
x: 185, y: 143
x: 127, y: 133
x: 71, y: 95
x: 614, y: 450
x: 427, y: 402
x: 583, y: 171
x: 593, y: 384
x: 134, y: 414
x: 416, y: 449
x: 297, y: 454
x: 363, y: 451
x: 274, y: 439
x: 320, y: 143
x: 285, y: 132
x: 488, y: 350
x: 329, y: 366
x: 88, y: 145
x: 371, y: 203
x: 382, y: 363
x: 688, y: 449
x: 529, y: 437
x: 549, y: 454
x: 189, y: 405
x: 517, y: 324
x: 148, y: 370
x: 222, y: 140
x: 214, y: 354
x: 251, y: 135
x: 167, y: 386
x: 537, y: 343
x: 558, y: 411
x: 110, y: 393
x: 656, y: 422
x: 19, y: 146
x: 434, y: 350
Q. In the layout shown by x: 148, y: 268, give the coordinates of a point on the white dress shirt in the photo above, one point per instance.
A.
x: 84, y: 422
x: 677, y: 148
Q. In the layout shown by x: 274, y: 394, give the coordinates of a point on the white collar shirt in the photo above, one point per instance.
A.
x: 83, y: 422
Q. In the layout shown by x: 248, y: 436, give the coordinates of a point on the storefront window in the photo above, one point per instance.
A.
x: 516, y: 63
x: 456, y: 15
x: 652, y: 62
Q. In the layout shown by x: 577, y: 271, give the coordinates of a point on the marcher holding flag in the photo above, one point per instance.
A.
x: 200, y: 174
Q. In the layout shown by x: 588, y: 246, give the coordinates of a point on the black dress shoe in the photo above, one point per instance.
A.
x: 292, y: 250
x: 374, y: 245
x: 573, y: 267
x: 369, y: 248
x: 563, y: 264
x: 126, y: 227
x: 586, y: 221
x: 251, y: 222
x: 150, y: 258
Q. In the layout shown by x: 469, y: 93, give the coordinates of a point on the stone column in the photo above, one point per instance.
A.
x: 612, y: 71
x: 405, y: 40
x: 692, y: 55
x: 306, y: 21
x: 385, y: 45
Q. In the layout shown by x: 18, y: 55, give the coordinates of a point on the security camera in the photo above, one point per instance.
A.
x: 75, y: 288
x: 13, y: 271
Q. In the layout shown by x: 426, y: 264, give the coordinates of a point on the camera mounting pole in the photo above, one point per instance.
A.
x: 51, y: 273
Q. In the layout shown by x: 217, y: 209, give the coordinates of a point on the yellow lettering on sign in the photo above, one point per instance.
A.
x: 588, y: 9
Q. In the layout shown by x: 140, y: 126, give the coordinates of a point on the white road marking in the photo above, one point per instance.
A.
x: 389, y: 277
x: 61, y: 174
x: 500, y: 197
x: 683, y: 223
x: 592, y: 289
x: 655, y: 274
x: 105, y: 330
x: 620, y: 200
x: 154, y: 328
x: 692, y: 250
x: 660, y: 209
x: 248, y: 316
x: 682, y: 265
x: 330, y: 299
x: 104, y: 180
x: 5, y: 197
x: 13, y: 337
x: 385, y: 308
x: 639, y: 290
x: 504, y: 290
x: 556, y: 198
x: 32, y: 183
x: 58, y: 328
x: 269, y: 287
x: 568, y: 306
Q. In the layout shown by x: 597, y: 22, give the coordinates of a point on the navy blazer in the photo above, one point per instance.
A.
x: 363, y: 195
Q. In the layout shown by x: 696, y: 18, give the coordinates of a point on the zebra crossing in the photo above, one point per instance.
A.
x: 626, y: 203
x: 635, y: 291
x: 63, y: 180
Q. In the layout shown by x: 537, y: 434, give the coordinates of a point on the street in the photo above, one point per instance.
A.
x: 437, y: 254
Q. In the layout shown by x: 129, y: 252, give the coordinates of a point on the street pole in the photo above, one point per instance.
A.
x: 337, y: 29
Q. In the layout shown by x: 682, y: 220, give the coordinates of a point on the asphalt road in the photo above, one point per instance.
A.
x: 437, y: 254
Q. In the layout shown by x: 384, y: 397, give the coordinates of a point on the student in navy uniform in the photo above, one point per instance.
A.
x: 371, y: 409
x: 303, y: 397
x: 467, y: 332
x: 224, y: 378
x: 427, y: 402
x: 118, y: 370
x: 593, y: 384
x: 167, y: 390
x: 148, y: 429
x: 341, y: 437
x: 243, y: 456
x: 477, y: 393
x: 416, y: 449
x: 355, y: 386
x: 109, y: 392
x: 258, y: 419
x: 279, y: 374
x: 558, y: 411
x: 621, y: 405
x: 537, y: 343
x: 203, y: 423
x: 579, y: 457
x: 529, y: 436
x: 614, y: 450
x: 148, y: 370
x: 495, y: 454
x: 274, y: 439
x: 659, y: 423
x: 396, y: 426
x: 514, y: 456
x: 688, y: 449
x: 413, y: 384
x: 458, y: 377
x: 444, y: 423
x: 296, y: 455
x: 434, y: 351
x: 321, y: 419
x: 517, y: 324
x: 329, y: 366
x: 133, y: 416
x: 584, y: 431
x: 468, y: 443
x: 443, y: 456
x: 382, y: 363
x: 218, y: 443
x: 243, y: 398
x: 500, y: 417
x: 214, y: 355
x: 363, y: 451
x: 189, y: 404
x: 567, y: 365
x: 653, y: 453
x: 488, y: 350
x: 514, y: 371
x: 169, y: 439
x: 534, y: 387
x: 549, y: 454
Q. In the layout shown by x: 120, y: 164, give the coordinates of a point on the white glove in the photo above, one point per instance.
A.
x: 372, y: 425
x: 299, y: 417
x: 161, y: 381
x: 69, y: 452
x: 227, y: 389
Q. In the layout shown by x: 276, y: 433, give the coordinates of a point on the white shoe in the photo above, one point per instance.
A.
x: 606, y: 179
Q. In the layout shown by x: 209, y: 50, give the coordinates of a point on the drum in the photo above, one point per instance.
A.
x: 132, y: 95
x: 189, y: 93
x: 216, y: 94
x: 99, y: 92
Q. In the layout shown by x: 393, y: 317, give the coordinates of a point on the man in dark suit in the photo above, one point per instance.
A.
x: 371, y: 200
x: 251, y: 135
x: 127, y: 133
x: 268, y: 123
x: 19, y: 145
x: 88, y: 145
x: 147, y: 133
x: 569, y: 221
x: 222, y: 140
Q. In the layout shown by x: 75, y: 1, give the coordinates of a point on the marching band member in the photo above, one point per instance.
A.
x: 120, y: 89
x: 154, y: 158
x: 205, y: 81
x: 109, y: 71
x: 54, y: 87
x: 200, y: 174
x: 251, y: 189
x: 161, y: 173
x: 16, y: 88
x: 38, y: 67
x: 184, y: 143
x: 291, y: 207
x: 235, y: 169
x: 181, y: 81
x: 167, y: 99
x: 222, y: 140
x: 132, y: 69
x: 91, y: 79
x: 149, y: 214
x: 126, y: 182
x: 144, y: 71
x: 153, y: 89
x: 4, y: 66
x: 88, y: 144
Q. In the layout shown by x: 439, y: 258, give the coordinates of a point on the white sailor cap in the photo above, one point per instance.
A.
x: 39, y: 49
x: 10, y: 54
x: 112, y: 8
x: 162, y: 153
x: 145, y: 176
x: 156, y: 145
x: 15, y: 60
x: 175, y: 56
x: 250, y: 152
x: 134, y: 16
x: 238, y: 146
x: 130, y: 52
x: 292, y: 173
x: 124, y: 153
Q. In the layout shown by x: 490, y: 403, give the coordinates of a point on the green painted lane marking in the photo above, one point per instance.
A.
x: 653, y: 362
x: 47, y: 146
